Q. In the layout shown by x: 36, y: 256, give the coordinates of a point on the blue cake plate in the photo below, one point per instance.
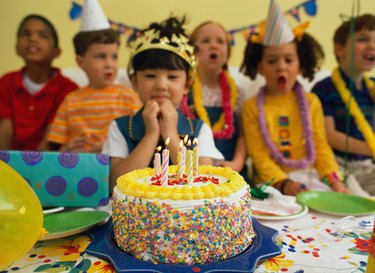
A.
x: 104, y: 246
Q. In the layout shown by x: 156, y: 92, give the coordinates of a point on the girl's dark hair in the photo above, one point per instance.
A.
x: 158, y: 58
x: 310, y: 54
x: 83, y: 40
x: 45, y: 21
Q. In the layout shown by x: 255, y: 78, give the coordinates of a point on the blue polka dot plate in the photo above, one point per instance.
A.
x: 104, y: 246
x: 59, y: 225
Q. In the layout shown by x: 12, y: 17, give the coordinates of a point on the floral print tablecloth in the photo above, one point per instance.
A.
x: 310, y: 244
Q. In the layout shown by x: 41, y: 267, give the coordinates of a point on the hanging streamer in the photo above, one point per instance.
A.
x: 310, y: 8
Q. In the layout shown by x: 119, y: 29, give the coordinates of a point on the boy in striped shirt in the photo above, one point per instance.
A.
x: 82, y: 120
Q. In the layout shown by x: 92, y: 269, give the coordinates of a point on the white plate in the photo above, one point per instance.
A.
x: 304, y: 210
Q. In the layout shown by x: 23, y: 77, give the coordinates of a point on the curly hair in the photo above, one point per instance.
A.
x: 310, y: 54
x: 83, y: 40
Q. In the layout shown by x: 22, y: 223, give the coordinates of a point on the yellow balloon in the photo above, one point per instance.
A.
x: 21, y: 216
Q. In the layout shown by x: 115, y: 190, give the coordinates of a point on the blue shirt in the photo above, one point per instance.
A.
x: 334, y: 106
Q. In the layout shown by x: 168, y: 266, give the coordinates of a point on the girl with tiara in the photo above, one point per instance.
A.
x: 215, y: 98
x: 283, y: 125
x: 160, y: 69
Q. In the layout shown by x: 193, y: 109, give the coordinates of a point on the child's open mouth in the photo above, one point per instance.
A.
x: 281, y: 82
x: 369, y: 57
x: 213, y: 56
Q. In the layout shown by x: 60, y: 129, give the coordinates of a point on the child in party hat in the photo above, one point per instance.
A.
x: 82, y: 120
x: 215, y: 98
x: 350, y: 130
x: 160, y: 69
x: 283, y: 125
x: 29, y: 97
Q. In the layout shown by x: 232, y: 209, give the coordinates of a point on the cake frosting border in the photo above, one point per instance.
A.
x: 127, y: 184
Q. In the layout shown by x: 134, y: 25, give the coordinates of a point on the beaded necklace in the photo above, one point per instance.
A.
x: 307, y: 131
x: 224, y: 127
x: 354, y: 110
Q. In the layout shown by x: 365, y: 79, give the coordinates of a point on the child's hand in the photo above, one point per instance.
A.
x: 168, y: 120
x: 232, y: 165
x: 338, y: 186
x: 74, y: 145
x: 290, y: 187
x: 93, y: 143
x: 150, y: 115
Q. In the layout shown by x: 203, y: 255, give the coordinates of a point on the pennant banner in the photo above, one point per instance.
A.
x: 309, y: 7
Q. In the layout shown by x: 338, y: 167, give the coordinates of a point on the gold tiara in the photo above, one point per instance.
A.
x: 178, y: 44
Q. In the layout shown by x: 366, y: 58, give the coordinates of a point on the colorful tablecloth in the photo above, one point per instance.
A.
x: 309, y: 244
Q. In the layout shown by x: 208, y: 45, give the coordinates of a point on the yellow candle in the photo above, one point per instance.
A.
x: 195, y: 157
x: 189, y: 164
x: 181, y: 160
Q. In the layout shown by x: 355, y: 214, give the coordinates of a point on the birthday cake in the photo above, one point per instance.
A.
x: 204, y: 220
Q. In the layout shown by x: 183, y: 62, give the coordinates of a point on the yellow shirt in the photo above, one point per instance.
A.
x: 88, y: 110
x: 287, y: 137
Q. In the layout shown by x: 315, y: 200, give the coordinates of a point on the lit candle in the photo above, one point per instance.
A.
x: 165, y: 164
x: 189, y: 164
x: 157, y: 162
x: 181, y: 160
x: 195, y: 157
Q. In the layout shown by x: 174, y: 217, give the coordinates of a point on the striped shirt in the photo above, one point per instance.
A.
x: 334, y: 106
x: 88, y: 110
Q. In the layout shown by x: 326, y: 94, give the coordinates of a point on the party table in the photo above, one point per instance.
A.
x: 310, y: 243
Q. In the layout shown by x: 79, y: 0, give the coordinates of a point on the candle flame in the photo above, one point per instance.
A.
x: 195, y: 141
x: 158, y: 149
x: 188, y: 143
x: 186, y: 139
x: 167, y: 141
x: 181, y: 143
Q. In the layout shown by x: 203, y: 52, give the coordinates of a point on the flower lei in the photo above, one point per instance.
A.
x: 354, y: 110
x: 307, y: 131
x: 224, y: 127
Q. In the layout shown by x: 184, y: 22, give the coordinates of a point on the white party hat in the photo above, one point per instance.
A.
x: 277, y: 30
x: 93, y: 17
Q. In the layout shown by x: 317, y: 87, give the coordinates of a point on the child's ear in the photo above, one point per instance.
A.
x: 133, y: 80
x: 79, y: 60
x: 57, y: 52
x: 189, y: 82
x: 338, y: 50
x: 259, y: 69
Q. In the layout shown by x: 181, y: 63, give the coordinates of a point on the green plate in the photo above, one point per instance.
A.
x: 64, y: 224
x: 337, y: 203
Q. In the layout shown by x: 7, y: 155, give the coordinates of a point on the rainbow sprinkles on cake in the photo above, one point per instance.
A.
x: 182, y: 214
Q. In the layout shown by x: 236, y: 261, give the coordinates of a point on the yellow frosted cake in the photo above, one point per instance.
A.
x: 205, y: 221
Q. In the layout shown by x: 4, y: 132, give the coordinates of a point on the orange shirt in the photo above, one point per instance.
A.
x: 88, y: 110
